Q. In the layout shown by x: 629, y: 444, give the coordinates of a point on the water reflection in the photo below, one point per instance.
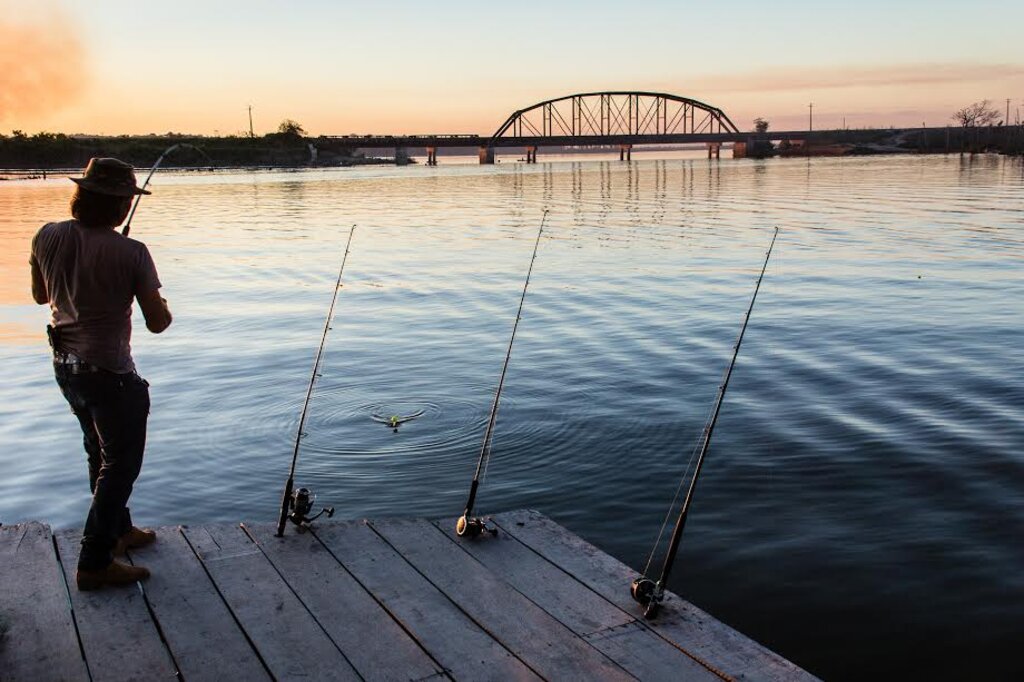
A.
x: 868, y: 454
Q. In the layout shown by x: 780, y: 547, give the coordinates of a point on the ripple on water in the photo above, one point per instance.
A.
x: 866, y: 469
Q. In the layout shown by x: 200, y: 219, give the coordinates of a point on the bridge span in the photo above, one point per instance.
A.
x: 612, y: 118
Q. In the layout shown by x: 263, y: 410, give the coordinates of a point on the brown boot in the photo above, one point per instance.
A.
x: 136, y: 538
x: 114, y: 574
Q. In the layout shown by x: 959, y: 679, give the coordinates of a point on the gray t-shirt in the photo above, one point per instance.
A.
x: 92, y: 275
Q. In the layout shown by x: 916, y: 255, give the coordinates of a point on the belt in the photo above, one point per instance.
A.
x: 73, y: 364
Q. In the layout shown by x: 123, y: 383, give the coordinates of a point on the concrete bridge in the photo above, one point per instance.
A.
x: 613, y: 118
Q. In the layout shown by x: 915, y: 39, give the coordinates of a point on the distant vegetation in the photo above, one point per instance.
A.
x: 978, y: 114
x: 287, y: 147
x: 290, y: 127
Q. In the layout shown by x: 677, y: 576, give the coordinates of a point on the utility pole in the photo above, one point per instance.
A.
x: 251, y: 133
x: 810, y: 117
x: 1006, y: 121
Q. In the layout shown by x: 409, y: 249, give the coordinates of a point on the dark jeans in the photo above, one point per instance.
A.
x: 112, y: 410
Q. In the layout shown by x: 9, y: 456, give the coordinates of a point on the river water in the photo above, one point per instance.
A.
x: 862, y: 507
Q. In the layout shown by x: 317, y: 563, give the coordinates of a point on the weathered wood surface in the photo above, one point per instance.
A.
x: 529, y: 632
x: 465, y: 649
x: 647, y: 656
x: 37, y: 634
x: 380, y: 600
x: 614, y: 632
x: 291, y: 641
x: 710, y: 641
x: 573, y: 604
x: 119, y: 638
x: 206, y: 642
x: 376, y: 645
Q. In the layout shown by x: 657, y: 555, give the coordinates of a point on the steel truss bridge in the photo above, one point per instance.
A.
x: 623, y: 118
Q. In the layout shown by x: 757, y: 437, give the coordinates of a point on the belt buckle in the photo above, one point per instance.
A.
x: 73, y: 364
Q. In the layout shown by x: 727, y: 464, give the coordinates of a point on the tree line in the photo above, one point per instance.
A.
x: 287, y: 146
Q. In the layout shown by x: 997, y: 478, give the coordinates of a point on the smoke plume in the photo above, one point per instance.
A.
x: 41, y: 64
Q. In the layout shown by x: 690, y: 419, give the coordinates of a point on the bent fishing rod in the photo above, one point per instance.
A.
x: 128, y: 225
x: 645, y: 591
x: 469, y: 525
x: 297, y: 504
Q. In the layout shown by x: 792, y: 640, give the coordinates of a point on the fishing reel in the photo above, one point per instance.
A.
x: 301, y: 504
x: 648, y: 594
x: 471, y: 527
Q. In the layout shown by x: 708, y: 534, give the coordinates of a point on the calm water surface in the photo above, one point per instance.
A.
x: 862, y: 508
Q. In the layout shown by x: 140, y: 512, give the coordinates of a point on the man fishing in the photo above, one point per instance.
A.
x: 88, y: 273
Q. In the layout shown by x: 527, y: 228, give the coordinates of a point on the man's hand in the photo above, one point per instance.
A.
x: 155, y: 310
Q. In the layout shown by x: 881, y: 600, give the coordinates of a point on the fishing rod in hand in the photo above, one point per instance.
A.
x: 646, y: 591
x: 128, y: 225
x: 297, y: 504
x: 469, y: 525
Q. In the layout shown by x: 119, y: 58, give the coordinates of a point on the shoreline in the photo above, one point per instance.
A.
x: 816, y: 151
x: 53, y: 153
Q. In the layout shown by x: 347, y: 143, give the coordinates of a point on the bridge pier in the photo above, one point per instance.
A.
x: 431, y: 156
x: 486, y: 154
x: 625, y: 152
x: 401, y: 156
x: 531, y: 154
x: 714, y: 150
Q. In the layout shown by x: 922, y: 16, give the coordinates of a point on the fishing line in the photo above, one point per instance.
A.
x: 682, y: 481
x: 675, y: 501
x: 128, y: 225
x: 467, y: 524
x: 644, y: 590
x: 296, y: 504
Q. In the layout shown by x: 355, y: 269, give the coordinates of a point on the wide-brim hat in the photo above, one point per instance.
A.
x: 109, y: 176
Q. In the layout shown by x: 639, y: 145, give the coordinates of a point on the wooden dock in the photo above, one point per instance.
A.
x: 395, y: 599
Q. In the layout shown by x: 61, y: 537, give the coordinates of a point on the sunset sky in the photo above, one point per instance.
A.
x: 111, y: 66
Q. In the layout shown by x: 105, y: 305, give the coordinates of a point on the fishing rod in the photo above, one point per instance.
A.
x: 128, y: 225
x: 297, y: 504
x: 469, y: 525
x: 645, y: 591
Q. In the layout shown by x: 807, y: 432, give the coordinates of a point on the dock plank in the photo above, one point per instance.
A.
x: 118, y: 635
x: 576, y: 606
x: 608, y: 628
x: 464, y: 649
x: 542, y: 642
x: 204, y: 639
x: 37, y: 632
x: 289, y: 640
x: 374, y: 643
x: 649, y: 657
x: 376, y: 600
x: 720, y: 647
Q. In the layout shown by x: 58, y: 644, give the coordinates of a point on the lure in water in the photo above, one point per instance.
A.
x: 394, y: 421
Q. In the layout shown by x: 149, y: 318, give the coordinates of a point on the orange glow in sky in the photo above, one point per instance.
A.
x: 114, y: 67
